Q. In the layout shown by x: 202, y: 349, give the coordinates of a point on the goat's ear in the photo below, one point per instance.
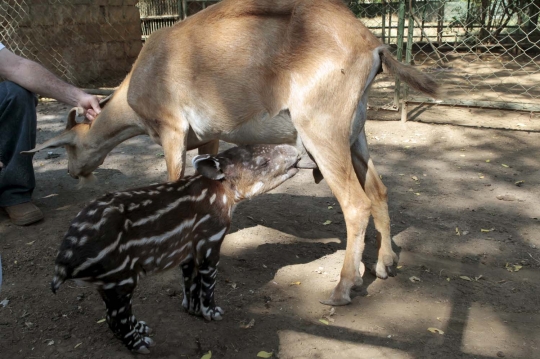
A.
x: 104, y: 101
x: 66, y: 138
x: 208, y: 166
x: 71, y: 121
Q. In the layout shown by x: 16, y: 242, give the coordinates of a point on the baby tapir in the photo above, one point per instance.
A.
x: 150, y: 229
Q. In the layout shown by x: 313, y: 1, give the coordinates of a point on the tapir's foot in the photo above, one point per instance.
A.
x: 212, y: 313
x: 137, y: 340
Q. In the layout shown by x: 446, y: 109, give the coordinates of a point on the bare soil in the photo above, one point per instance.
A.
x: 467, y: 236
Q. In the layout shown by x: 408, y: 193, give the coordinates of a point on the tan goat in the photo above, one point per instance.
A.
x: 260, y: 71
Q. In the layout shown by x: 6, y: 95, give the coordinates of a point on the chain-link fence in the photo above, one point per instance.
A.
x: 85, y: 42
x: 484, y: 52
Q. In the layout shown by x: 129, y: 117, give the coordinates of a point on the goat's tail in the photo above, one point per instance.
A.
x: 60, y: 277
x: 408, y: 74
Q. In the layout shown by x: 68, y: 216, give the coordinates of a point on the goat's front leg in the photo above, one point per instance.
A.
x: 376, y: 191
x: 210, y: 148
x: 174, y: 142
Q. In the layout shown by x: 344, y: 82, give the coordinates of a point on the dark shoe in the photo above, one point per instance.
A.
x: 24, y: 214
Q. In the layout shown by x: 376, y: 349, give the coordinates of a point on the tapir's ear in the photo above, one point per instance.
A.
x: 66, y: 138
x: 208, y: 166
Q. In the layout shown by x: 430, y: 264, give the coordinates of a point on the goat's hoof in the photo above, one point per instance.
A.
x: 382, y: 271
x: 334, y: 302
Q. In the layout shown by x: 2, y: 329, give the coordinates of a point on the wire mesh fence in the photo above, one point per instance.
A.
x: 84, y: 42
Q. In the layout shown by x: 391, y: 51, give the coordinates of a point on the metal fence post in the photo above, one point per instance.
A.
x: 408, y: 59
x: 400, y: 35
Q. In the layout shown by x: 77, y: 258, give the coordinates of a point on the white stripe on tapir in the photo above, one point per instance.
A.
x: 101, y: 254
x: 158, y: 239
x: 116, y: 269
x: 169, y: 208
x: 217, y: 236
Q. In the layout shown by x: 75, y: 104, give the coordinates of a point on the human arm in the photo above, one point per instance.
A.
x: 35, y: 78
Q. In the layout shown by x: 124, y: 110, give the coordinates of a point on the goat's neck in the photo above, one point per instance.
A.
x: 116, y: 123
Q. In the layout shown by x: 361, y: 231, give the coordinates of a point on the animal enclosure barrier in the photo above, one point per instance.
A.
x: 86, y: 42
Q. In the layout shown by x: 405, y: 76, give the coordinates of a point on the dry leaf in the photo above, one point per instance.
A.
x: 436, y: 330
x: 477, y: 278
x: 327, y: 222
x: 465, y: 277
x: 330, y: 207
x: 207, y: 355
x: 78, y: 345
x: 332, y: 311
x: 101, y: 321
x: 488, y: 161
x: 399, y: 267
x: 457, y: 232
x: 485, y: 230
x: 50, y: 195
x: 519, y: 183
x: 324, y: 321
x: 30, y: 243
x: 414, y: 178
x: 415, y: 279
x: 263, y: 354
x: 447, y: 279
x: 462, y: 155
x: 504, y: 165
x: 233, y: 285
x: 248, y: 325
x: 295, y: 283
x: 417, y: 193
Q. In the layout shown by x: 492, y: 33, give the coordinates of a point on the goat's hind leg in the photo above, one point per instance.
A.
x: 133, y: 333
x: 376, y: 191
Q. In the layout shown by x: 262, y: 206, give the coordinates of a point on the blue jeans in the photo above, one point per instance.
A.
x: 17, y: 133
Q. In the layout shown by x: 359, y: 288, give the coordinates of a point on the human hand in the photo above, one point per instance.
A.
x: 90, y: 105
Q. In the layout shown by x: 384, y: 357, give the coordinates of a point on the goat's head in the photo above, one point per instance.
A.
x: 250, y: 170
x: 83, y: 157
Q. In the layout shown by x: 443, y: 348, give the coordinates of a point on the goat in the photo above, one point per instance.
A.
x: 260, y: 71
x: 151, y: 229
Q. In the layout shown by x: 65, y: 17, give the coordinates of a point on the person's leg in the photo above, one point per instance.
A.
x: 17, y: 133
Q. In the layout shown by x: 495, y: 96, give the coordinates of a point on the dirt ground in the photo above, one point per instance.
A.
x: 468, y: 239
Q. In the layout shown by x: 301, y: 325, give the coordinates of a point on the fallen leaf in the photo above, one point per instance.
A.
x: 263, y: 354
x: 207, y: 355
x: 477, y: 278
x: 415, y: 279
x: 330, y: 207
x: 50, y: 195
x: 327, y: 222
x: 517, y: 267
x: 485, y: 230
x: 30, y: 243
x: 488, y: 161
x: 49, y: 342
x: 248, y: 325
x: 447, y: 279
x: 462, y: 155
x: 464, y: 277
x: 436, y: 330
x: 439, y: 319
x: 414, y: 178
x: 480, y: 176
x: 324, y: 321
x: 78, y: 345
x: 417, y: 193
x: 332, y: 311
x: 233, y: 285
x: 519, y: 183
x: 399, y: 267
x: 457, y: 232
x: 4, y: 303
x: 160, y: 154
x: 101, y: 321
x: 504, y: 165
x: 295, y: 283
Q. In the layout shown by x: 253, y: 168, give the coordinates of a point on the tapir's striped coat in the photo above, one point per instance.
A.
x: 183, y: 223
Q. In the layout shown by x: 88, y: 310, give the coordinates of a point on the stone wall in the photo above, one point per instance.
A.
x: 86, y: 42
